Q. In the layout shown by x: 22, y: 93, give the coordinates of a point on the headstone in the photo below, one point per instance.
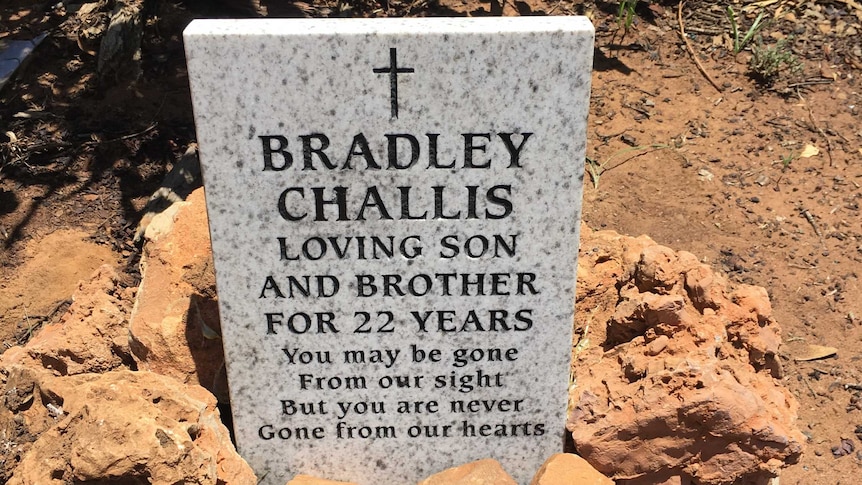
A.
x: 394, y: 208
x: 14, y: 53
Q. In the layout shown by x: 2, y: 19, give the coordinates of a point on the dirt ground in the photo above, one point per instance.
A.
x: 759, y: 176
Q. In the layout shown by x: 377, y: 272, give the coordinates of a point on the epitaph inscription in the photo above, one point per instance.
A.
x: 396, y: 280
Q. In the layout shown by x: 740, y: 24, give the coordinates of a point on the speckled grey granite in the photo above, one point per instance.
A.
x: 394, y: 208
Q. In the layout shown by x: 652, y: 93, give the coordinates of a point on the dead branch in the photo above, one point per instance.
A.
x: 691, y: 49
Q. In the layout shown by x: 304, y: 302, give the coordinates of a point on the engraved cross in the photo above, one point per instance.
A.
x: 393, y: 70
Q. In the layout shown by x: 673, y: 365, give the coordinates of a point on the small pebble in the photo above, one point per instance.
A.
x: 843, y: 449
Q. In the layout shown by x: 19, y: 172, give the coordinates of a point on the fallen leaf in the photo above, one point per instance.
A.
x: 856, y: 6
x: 840, y: 27
x: 705, y: 175
x: 656, y: 9
x: 809, y: 151
x: 87, y: 9
x: 815, y: 352
x: 756, y: 6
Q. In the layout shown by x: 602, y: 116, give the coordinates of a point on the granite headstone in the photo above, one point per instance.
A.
x: 394, y: 208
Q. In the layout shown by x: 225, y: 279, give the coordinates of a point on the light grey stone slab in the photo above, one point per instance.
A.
x: 13, y: 54
x: 394, y: 207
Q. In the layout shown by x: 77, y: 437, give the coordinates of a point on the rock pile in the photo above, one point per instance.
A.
x: 131, y: 427
x: 73, y: 410
x: 675, y: 376
x: 676, y: 372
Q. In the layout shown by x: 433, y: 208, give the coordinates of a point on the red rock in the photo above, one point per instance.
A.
x: 679, y: 382
x: 117, y: 427
x: 92, y: 335
x: 569, y: 469
x: 655, y: 269
x: 482, y: 472
x: 174, y: 326
x: 68, y: 415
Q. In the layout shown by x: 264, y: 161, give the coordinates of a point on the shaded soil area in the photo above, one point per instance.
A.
x: 752, y: 161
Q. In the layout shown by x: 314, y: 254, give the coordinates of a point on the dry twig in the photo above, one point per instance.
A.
x: 799, y: 266
x: 691, y: 49
x: 810, y: 218
x: 811, y: 82
x: 816, y: 127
